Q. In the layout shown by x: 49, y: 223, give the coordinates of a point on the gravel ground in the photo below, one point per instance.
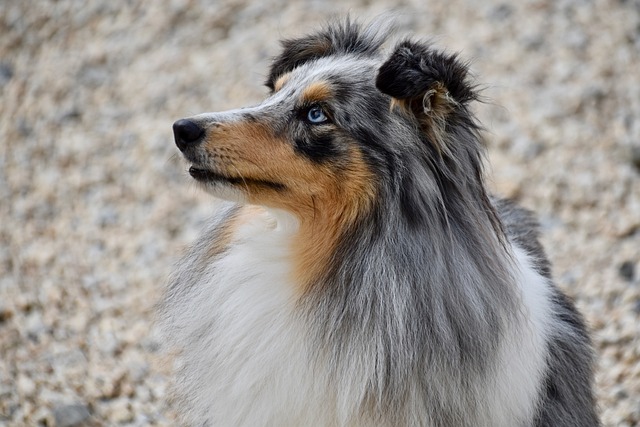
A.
x: 96, y: 205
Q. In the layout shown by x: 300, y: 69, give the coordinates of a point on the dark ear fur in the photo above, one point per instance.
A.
x: 430, y: 84
x: 296, y: 52
x: 337, y: 38
x: 414, y: 68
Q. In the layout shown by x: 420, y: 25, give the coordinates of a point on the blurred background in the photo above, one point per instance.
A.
x: 95, y: 203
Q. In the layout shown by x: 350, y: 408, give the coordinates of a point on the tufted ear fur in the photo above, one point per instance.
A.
x: 429, y: 84
x: 343, y: 37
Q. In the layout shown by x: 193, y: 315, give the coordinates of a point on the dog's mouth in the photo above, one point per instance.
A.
x: 207, y: 175
x: 200, y: 174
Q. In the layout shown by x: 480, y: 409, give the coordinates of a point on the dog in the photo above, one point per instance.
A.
x: 359, y: 272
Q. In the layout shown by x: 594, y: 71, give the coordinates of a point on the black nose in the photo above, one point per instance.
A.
x: 186, y: 133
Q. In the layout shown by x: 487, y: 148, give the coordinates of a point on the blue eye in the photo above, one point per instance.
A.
x: 316, y: 115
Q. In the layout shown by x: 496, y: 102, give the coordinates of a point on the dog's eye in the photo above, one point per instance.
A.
x: 315, y: 115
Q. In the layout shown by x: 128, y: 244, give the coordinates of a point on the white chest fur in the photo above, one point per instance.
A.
x: 247, y: 359
x: 245, y: 352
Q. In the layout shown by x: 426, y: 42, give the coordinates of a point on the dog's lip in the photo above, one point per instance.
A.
x: 202, y: 174
x: 207, y: 175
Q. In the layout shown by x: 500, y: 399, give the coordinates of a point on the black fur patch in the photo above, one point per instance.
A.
x: 413, y: 68
x: 411, y: 205
x: 318, y: 148
x: 567, y: 399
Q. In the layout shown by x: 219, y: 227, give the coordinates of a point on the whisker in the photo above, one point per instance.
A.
x: 242, y: 178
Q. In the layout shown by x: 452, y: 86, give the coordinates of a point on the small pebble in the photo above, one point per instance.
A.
x: 5, y: 313
x: 71, y: 415
x: 626, y: 270
x: 635, y: 156
x: 25, y: 385
x: 6, y: 73
x: 120, y: 411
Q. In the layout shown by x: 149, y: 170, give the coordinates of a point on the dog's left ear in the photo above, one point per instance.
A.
x: 296, y: 52
x: 430, y: 84
x: 339, y: 37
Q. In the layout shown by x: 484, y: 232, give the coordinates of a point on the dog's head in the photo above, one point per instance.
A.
x: 342, y: 126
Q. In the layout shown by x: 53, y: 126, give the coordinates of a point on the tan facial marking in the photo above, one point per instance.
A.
x: 252, y: 151
x: 282, y: 80
x: 316, y: 92
x: 348, y: 197
x: 326, y: 198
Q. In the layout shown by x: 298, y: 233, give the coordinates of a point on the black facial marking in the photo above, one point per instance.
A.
x: 205, y: 175
x: 318, y: 148
x: 375, y: 149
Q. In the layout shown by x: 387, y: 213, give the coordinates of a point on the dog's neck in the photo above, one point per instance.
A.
x: 316, y: 235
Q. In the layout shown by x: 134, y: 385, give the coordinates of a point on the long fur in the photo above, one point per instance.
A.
x: 361, y: 274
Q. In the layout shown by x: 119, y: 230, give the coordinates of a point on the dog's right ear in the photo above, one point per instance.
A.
x: 429, y: 84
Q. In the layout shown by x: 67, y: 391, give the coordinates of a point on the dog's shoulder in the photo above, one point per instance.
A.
x: 523, y: 229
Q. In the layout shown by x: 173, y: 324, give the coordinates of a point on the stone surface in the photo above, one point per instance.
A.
x: 96, y: 204
x: 71, y: 415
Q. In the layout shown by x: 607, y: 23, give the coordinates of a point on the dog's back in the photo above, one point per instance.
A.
x: 362, y: 275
